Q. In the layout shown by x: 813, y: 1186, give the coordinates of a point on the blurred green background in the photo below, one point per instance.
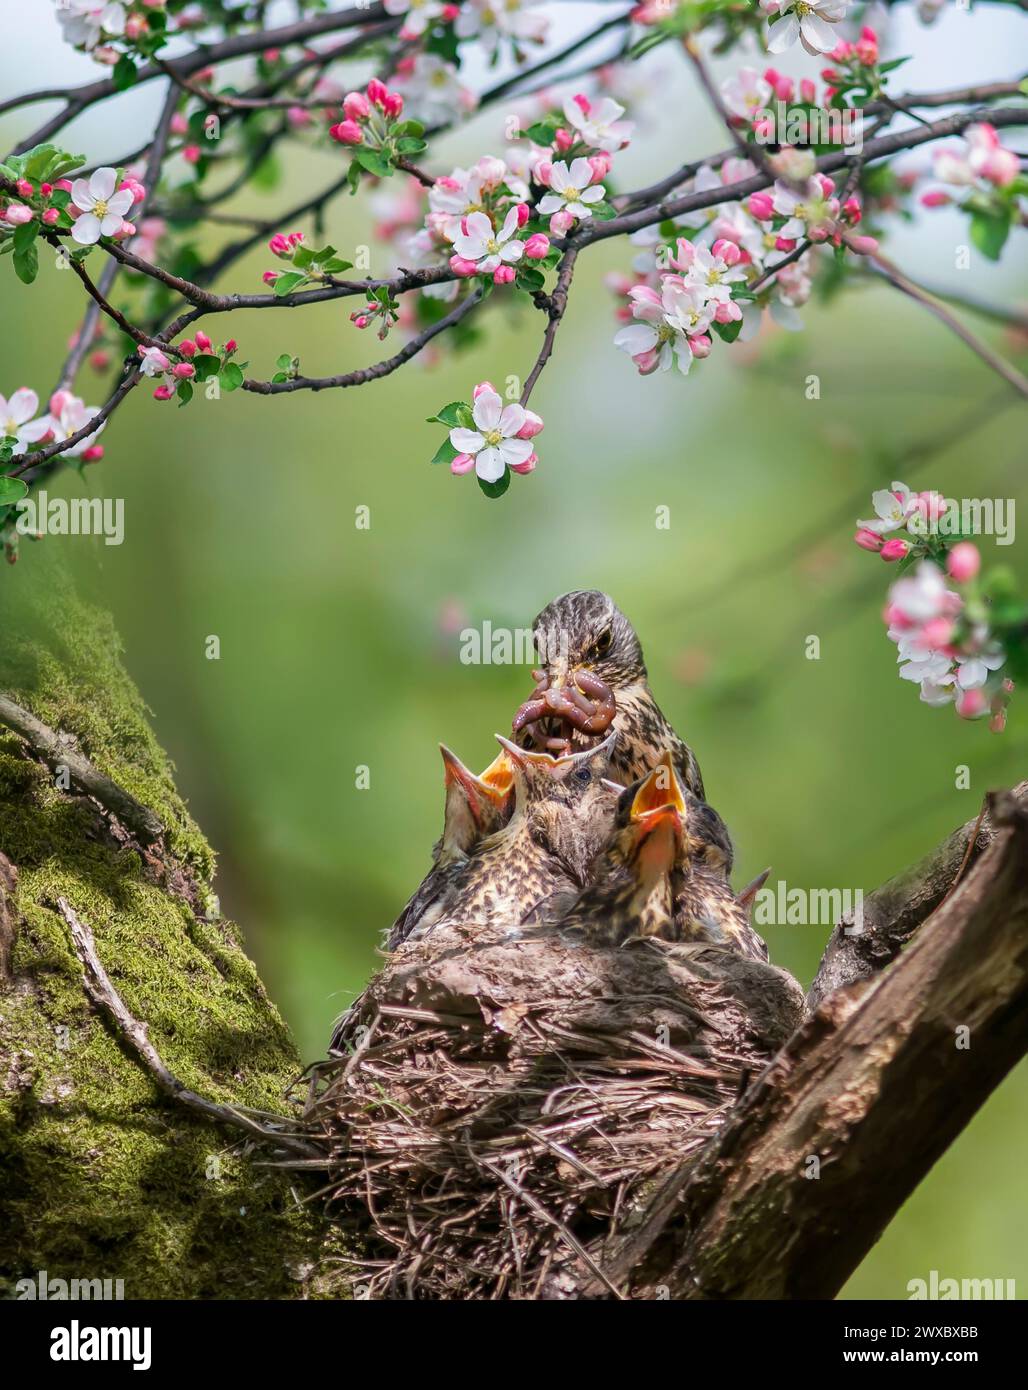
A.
x: 339, y: 646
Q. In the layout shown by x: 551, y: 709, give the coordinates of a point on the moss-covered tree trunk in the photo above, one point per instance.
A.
x: 100, y: 1175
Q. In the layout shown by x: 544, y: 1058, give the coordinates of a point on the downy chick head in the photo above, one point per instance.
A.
x: 565, y: 802
x: 476, y: 806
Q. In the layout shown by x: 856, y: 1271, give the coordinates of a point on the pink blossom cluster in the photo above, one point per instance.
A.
x: 980, y: 162
x: 498, y: 437
x: 66, y: 414
x: 952, y: 659
x: 176, y: 365
x: 366, y: 115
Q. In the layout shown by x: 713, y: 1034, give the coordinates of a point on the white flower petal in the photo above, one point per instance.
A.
x: 487, y: 410
x: 101, y: 183
x: 466, y: 441
x: 490, y: 465
x: 511, y: 420
x: 516, y: 451
x: 86, y: 229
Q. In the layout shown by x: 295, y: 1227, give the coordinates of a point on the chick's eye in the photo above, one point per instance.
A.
x: 582, y: 775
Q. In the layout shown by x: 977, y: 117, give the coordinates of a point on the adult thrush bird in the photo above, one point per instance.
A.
x: 592, y: 677
x: 563, y: 814
x: 475, y: 808
x: 664, y: 873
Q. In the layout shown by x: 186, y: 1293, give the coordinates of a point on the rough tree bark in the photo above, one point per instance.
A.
x: 103, y: 1174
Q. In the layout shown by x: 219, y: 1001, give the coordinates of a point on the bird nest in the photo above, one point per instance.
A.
x: 502, y: 1099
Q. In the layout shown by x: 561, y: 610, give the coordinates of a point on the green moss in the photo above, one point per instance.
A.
x: 99, y: 1175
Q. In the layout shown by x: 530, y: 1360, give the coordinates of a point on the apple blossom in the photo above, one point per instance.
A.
x: 494, y: 444
x: 487, y: 248
x: 963, y: 562
x: 810, y: 21
x: 154, y: 362
x: 17, y: 416
x: 894, y: 506
x: 571, y: 189
x: 101, y: 209
x: 491, y: 23
x: 746, y: 93
x: 420, y: 15
x: 599, y: 124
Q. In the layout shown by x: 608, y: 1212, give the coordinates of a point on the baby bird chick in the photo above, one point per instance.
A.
x: 664, y: 872
x: 563, y: 813
x: 475, y: 808
x: 586, y: 632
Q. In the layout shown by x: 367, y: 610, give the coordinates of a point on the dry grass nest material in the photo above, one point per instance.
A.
x: 504, y: 1098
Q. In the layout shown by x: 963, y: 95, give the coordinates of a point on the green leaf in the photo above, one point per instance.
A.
x: 727, y: 332
x: 207, y: 365
x: 26, y: 264
x: 11, y: 490
x: 450, y: 415
x: 335, y: 265
x: 446, y: 453
x: 288, y: 282
x: 409, y: 128
x: 542, y: 132
x: 603, y: 211
x: 184, y: 391
x: 231, y: 376
x: 373, y: 162
x: 498, y: 488
x: 989, y: 232
x: 124, y: 74
x: 528, y: 278
x: 283, y: 362
x: 408, y: 145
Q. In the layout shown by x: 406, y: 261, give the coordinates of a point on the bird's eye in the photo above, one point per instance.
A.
x: 602, y: 644
x: 582, y: 775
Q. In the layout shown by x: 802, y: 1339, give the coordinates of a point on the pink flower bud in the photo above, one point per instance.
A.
x: 64, y: 185
x: 191, y: 154
x: 202, y: 341
x: 727, y: 250
x: 270, y: 276
x: 762, y: 206
x: 527, y: 466
x: 450, y: 13
x: 868, y: 540
x: 784, y: 243
x: 271, y: 55
x: 700, y: 345
x: 183, y: 370
x: 356, y: 106
x: 533, y: 425
x: 963, y: 562
x: 503, y: 275
x: 862, y: 245
x: 483, y: 386
x: 393, y: 105
x: 971, y: 704
x: 186, y: 347
x: 463, y: 463
x: 46, y: 189
x: 561, y: 222
x: 347, y: 133
x: 601, y: 165
x: 163, y: 393
x: 460, y: 266
x: 231, y: 346
x: 134, y: 187
x: 359, y: 320
x: 377, y: 91
x: 17, y: 215
x: 563, y: 140
x: 808, y: 91
x: 179, y: 124
x: 537, y: 246
x: 50, y: 217
x: 93, y: 454
x: 783, y: 87
x: 100, y: 360
x: 25, y: 189
x: 298, y: 117
x: 543, y: 172
x: 278, y: 245
x: 523, y: 212
x: 934, y: 198
x: 894, y: 550
x: 851, y: 207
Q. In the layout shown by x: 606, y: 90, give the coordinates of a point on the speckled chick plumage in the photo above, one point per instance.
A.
x: 585, y: 628
x: 563, y: 814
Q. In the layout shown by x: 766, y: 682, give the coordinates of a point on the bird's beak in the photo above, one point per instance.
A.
x: 748, y: 896
x: 526, y: 758
x: 658, y: 791
x: 658, y: 836
x: 494, y: 783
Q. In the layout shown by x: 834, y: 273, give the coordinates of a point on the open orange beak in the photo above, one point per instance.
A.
x: 659, y: 791
x: 494, y: 784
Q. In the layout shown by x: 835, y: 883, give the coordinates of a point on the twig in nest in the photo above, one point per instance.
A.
x: 110, y: 1003
x: 56, y: 753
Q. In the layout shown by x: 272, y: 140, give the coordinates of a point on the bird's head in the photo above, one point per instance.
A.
x: 658, y: 819
x: 566, y: 801
x: 476, y: 806
x: 651, y: 822
x: 585, y: 630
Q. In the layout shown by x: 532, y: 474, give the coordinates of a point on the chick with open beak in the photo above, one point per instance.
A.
x: 665, y: 872
x: 562, y: 815
x: 593, y: 678
x: 475, y: 808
